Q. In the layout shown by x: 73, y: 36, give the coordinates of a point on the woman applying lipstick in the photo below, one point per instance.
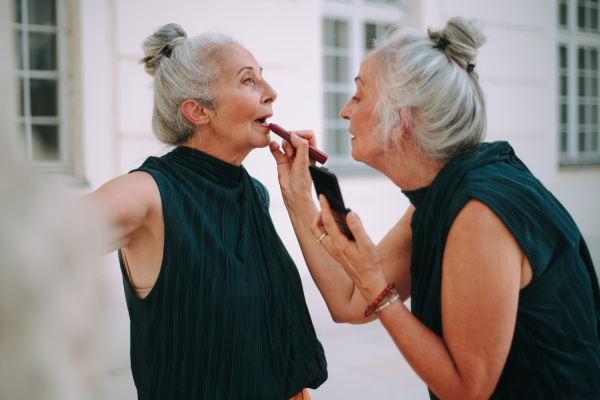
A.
x: 215, y: 301
x: 505, y: 301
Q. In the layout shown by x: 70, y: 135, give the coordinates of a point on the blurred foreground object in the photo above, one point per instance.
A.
x: 50, y: 288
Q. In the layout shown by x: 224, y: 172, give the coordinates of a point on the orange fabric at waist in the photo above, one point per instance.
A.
x: 303, y: 395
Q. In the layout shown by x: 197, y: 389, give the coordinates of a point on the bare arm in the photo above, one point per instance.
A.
x: 341, y: 296
x: 482, y: 276
x: 125, y: 203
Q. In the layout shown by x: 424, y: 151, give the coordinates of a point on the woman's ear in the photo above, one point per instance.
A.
x: 195, y: 113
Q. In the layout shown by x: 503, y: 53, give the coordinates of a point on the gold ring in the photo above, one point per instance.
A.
x: 321, y: 237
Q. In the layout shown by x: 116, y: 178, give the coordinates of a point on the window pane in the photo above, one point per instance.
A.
x: 562, y: 14
x: 581, y: 120
x: 581, y: 142
x: 581, y: 86
x: 335, y: 33
x: 20, y: 90
x: 334, y: 102
x: 594, y: 142
x: 45, y: 144
x: 564, y: 142
x: 42, y: 12
x: 44, y: 97
x: 563, y: 114
x: 581, y: 17
x: 594, y: 19
x: 594, y: 60
x: 42, y: 51
x: 594, y: 114
x: 562, y: 52
x: 18, y: 13
x: 19, y: 49
x: 581, y: 58
x: 563, y: 85
x: 370, y: 34
x: 593, y: 87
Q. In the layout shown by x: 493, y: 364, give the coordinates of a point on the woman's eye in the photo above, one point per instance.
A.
x: 355, y: 99
x: 248, y: 80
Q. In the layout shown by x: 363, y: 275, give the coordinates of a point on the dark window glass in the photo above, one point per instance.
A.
x: 582, y: 114
x: 564, y: 142
x: 562, y: 14
x: 594, y: 114
x: 581, y: 80
x: 44, y: 97
x: 20, y: 90
x: 581, y: 17
x: 563, y: 85
x: 562, y: 51
x: 42, y: 51
x: 42, y: 12
x: 18, y: 12
x: 594, y: 60
x: 563, y: 114
x: 45, y: 143
x: 593, y: 87
x: 581, y: 142
x: 370, y: 35
x: 594, y: 141
x: 581, y: 58
x: 19, y: 49
x: 594, y: 19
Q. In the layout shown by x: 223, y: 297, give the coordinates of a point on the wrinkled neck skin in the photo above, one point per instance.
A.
x: 409, y: 169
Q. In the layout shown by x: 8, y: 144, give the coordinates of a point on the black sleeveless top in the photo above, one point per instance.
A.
x: 227, y: 318
x: 555, y: 352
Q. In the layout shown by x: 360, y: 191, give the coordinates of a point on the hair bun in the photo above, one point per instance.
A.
x: 461, y: 38
x: 161, y: 44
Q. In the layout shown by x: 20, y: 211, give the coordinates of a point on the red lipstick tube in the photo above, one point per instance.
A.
x: 315, y: 154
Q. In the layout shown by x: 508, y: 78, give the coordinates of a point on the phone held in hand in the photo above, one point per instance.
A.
x: 326, y: 183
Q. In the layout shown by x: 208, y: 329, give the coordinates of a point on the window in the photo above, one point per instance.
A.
x: 348, y: 29
x: 578, y: 82
x: 41, y: 83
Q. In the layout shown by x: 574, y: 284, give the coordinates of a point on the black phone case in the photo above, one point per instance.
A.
x: 326, y: 183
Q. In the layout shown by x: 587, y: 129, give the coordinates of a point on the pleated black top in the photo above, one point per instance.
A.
x: 555, y: 352
x: 227, y: 318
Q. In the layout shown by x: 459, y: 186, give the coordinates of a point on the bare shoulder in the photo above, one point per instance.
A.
x: 478, y: 238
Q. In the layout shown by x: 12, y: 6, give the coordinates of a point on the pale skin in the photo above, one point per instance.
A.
x: 131, y: 203
x: 483, y: 267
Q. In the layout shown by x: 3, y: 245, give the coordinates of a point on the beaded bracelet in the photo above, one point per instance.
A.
x: 384, y: 305
x: 381, y: 299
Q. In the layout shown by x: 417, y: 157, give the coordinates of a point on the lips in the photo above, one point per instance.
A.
x: 262, y: 121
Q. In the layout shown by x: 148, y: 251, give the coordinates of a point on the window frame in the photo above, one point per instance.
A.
x: 60, y: 75
x: 571, y: 37
x: 357, y: 13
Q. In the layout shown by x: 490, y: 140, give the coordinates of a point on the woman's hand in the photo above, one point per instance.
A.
x: 360, y: 258
x: 292, y: 165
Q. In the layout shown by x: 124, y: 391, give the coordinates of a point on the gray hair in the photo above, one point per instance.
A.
x: 182, y: 69
x: 431, y: 87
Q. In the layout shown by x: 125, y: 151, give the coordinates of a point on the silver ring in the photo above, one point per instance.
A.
x: 321, y: 237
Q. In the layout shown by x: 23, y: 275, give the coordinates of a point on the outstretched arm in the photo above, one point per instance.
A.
x: 124, y: 204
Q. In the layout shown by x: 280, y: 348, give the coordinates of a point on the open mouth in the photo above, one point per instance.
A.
x: 262, y: 121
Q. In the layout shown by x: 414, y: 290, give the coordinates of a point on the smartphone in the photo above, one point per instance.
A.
x: 326, y: 183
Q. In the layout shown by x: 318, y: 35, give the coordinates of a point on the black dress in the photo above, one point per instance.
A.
x: 555, y: 352
x: 226, y: 318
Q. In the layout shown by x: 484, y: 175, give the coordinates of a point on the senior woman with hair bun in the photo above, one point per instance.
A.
x: 504, y: 297
x: 215, y: 301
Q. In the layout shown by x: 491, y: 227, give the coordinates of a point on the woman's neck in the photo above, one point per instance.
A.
x: 411, y: 173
